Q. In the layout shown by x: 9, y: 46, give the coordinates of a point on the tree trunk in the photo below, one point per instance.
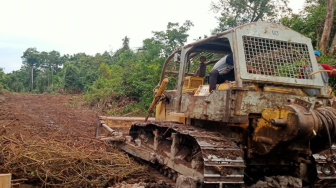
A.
x: 327, y: 26
x: 32, y: 78
x: 318, y: 34
x: 52, y: 74
x: 47, y: 80
x: 332, y: 47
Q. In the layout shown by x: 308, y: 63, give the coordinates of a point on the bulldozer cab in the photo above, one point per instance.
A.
x: 278, y: 53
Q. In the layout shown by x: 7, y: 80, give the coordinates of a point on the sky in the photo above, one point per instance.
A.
x: 94, y: 26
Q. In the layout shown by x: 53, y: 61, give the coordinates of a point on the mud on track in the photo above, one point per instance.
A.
x: 48, y: 140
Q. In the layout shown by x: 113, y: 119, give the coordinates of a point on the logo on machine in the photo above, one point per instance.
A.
x: 275, y: 33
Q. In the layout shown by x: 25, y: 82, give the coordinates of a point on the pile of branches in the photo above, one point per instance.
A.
x: 80, y: 162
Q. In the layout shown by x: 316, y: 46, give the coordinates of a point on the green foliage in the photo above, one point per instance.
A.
x: 71, y: 77
x: 174, y: 36
x: 31, y: 57
x: 119, y: 82
x: 42, y: 82
x: 1, y: 88
x: 104, y: 71
x: 310, y: 21
x: 133, y: 75
x: 107, y: 58
x: 17, y: 80
x: 2, y: 78
x: 126, y: 43
x: 289, y: 69
x: 39, y: 66
x: 237, y: 12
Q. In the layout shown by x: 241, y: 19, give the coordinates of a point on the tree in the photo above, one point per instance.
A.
x: 107, y: 57
x: 71, y: 78
x: 174, y: 36
x: 327, y: 26
x: 114, y: 57
x: 105, y: 78
x: 54, y: 60
x: 311, y: 23
x: 44, y: 63
x: 150, y: 49
x: 237, y: 12
x: 42, y: 81
x: 126, y: 43
x: 2, y: 75
x: 2, y: 79
x: 17, y: 80
x: 104, y: 71
x: 31, y: 58
x: 77, y: 57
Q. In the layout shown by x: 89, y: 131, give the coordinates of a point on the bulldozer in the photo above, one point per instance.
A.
x: 271, y: 123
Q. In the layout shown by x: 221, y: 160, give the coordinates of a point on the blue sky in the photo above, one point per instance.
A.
x: 93, y: 26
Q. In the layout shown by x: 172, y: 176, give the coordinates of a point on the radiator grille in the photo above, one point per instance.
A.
x: 277, y: 58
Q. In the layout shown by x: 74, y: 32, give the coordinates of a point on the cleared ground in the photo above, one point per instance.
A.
x: 48, y: 140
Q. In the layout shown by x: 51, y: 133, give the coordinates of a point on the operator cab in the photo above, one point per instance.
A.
x: 211, y: 51
x: 264, y: 59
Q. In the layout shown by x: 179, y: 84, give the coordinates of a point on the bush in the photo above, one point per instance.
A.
x: 1, y: 88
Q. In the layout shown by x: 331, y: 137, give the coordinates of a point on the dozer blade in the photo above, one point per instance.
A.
x: 114, y: 128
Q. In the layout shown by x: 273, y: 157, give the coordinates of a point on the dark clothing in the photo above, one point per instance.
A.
x: 216, y: 78
x: 202, y: 70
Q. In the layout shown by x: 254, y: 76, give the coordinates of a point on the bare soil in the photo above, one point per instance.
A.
x: 47, y: 114
x: 38, y: 133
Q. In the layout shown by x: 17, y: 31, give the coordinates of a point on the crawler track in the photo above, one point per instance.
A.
x: 155, y: 173
x: 207, y: 157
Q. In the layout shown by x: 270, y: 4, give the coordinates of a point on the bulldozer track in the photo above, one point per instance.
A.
x: 155, y: 173
x: 179, y: 149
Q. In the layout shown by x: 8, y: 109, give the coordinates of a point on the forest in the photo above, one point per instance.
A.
x: 110, y: 78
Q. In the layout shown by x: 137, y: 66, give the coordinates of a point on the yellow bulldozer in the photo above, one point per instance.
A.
x: 271, y: 122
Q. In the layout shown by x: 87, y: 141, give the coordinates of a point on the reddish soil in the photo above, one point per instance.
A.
x: 47, y: 114
x: 29, y: 122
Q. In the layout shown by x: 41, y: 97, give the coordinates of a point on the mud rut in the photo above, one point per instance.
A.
x: 47, y: 140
